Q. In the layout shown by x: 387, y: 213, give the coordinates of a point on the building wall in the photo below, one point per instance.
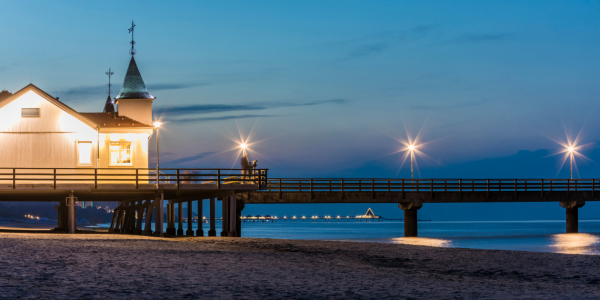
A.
x: 48, y: 141
x: 137, y: 109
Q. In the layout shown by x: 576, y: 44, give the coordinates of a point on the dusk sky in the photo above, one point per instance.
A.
x: 329, y: 87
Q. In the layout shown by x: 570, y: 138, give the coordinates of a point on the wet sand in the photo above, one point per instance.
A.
x: 62, y: 266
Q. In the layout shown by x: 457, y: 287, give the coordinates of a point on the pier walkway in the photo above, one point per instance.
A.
x: 411, y: 194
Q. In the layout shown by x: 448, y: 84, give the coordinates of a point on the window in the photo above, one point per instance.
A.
x: 84, y: 153
x: 30, y: 112
x: 120, y: 153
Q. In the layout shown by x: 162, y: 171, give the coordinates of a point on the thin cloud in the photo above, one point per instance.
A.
x: 87, y: 92
x: 192, y: 158
x: 221, y: 118
x: 479, y: 38
x: 449, y: 106
x: 217, y: 108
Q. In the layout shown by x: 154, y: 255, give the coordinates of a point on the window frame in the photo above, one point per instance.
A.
x: 39, y: 114
x: 91, y: 164
x: 121, y: 141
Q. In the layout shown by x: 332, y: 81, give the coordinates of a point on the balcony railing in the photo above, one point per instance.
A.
x: 138, y: 178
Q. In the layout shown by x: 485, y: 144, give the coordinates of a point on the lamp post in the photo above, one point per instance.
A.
x: 157, y: 126
x: 571, y: 149
x: 411, y: 148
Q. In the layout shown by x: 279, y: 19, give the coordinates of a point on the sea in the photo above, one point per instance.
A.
x: 535, y: 235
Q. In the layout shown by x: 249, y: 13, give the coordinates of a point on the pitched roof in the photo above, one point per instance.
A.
x: 55, y: 101
x: 112, y: 119
x: 133, y: 85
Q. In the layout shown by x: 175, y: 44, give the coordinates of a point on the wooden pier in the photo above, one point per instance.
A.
x: 141, y: 192
x: 411, y: 194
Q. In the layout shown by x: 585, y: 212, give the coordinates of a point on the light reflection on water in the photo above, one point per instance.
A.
x: 417, y: 241
x: 539, y: 236
x: 576, y: 243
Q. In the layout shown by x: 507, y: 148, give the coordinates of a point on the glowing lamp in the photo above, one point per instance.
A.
x: 571, y: 149
x: 411, y: 147
x: 243, y: 145
x: 157, y: 124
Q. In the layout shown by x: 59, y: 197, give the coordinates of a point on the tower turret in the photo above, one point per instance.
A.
x: 134, y: 100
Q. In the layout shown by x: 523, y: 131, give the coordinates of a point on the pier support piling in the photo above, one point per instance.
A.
x: 180, y: 218
x: 148, y: 223
x: 199, y: 230
x: 225, y: 216
x: 159, y: 208
x: 572, y: 216
x: 71, y: 219
x: 212, y: 231
x: 232, y: 216
x: 410, y: 216
x: 189, y: 231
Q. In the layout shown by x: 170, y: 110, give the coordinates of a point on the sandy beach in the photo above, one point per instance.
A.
x: 62, y: 266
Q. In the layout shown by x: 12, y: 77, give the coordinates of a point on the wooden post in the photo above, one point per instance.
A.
x: 71, y: 218
x: 199, y: 230
x: 232, y: 216
x: 140, y: 217
x: 158, y: 225
x: 212, y: 231
x: 190, y: 217
x: 239, y: 207
x: 113, y: 221
x: 149, y: 212
x: 119, y: 212
x: 54, y: 178
x: 225, y: 216
x: 180, y: 218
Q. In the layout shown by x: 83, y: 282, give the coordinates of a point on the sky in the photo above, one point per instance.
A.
x: 328, y: 88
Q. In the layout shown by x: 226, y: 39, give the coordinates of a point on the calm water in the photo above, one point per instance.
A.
x: 544, y: 236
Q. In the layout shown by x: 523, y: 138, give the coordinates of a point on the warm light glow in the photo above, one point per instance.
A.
x: 574, y: 243
x: 418, y: 241
x: 411, y: 147
x: 571, y: 149
x: 157, y: 124
x: 243, y: 146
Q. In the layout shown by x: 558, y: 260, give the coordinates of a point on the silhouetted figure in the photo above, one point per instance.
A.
x: 246, y: 166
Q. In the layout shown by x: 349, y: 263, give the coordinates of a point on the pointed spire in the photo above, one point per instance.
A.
x: 133, y: 85
x: 109, y: 107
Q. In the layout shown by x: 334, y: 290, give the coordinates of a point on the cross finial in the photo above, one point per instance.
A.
x: 132, y: 51
x: 109, y: 73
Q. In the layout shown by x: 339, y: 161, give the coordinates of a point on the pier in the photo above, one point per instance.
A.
x: 141, y: 194
x: 411, y: 194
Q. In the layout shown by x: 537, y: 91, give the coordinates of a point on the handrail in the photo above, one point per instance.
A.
x: 372, y: 185
x: 179, y: 177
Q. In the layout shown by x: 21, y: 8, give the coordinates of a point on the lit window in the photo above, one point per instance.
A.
x: 120, y: 153
x: 84, y: 153
x: 30, y: 112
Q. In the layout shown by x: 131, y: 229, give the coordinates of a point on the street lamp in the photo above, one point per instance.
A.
x: 157, y: 126
x: 571, y: 150
x: 411, y: 148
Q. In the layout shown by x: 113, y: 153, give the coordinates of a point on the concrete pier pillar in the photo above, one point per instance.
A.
x: 232, y: 216
x: 572, y: 210
x: 199, y: 230
x: 180, y: 218
x: 410, y: 216
x: 190, y: 217
x: 212, y: 231
x: 159, y: 208
x: 225, y: 216
x: 71, y: 217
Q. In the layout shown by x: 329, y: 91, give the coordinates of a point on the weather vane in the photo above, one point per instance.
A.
x: 132, y: 51
x: 109, y: 73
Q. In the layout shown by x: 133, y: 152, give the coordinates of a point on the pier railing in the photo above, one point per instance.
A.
x: 168, y: 178
x: 428, y: 185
